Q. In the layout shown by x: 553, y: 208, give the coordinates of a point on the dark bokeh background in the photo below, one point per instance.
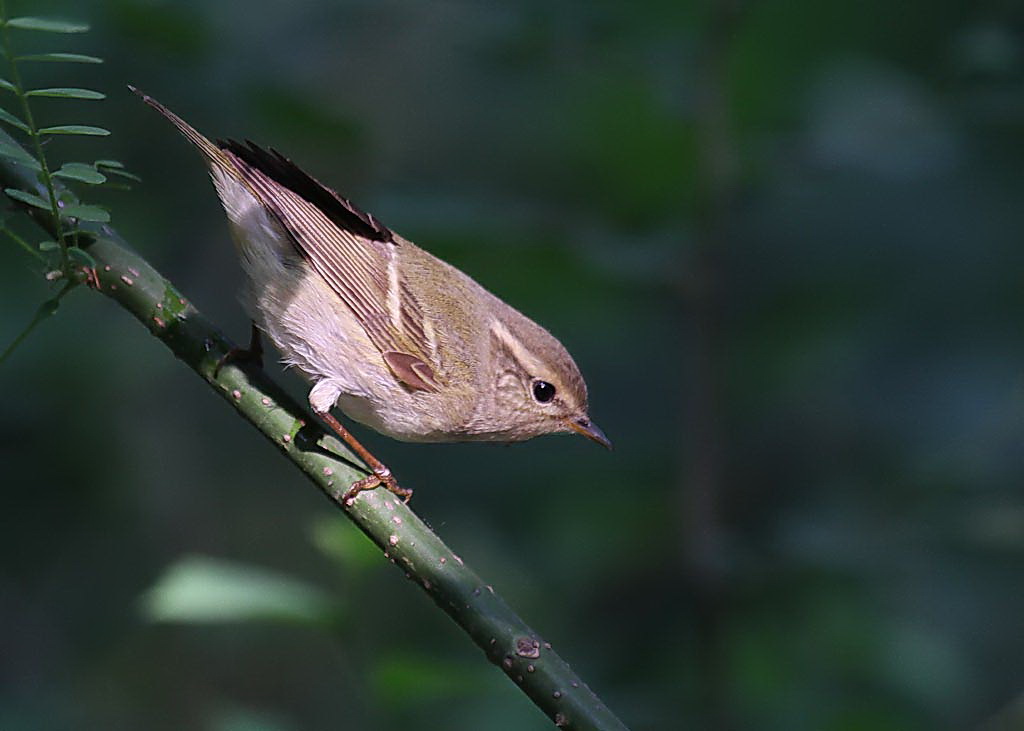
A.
x: 782, y: 240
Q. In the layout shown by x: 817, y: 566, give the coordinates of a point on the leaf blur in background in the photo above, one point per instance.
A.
x: 783, y: 242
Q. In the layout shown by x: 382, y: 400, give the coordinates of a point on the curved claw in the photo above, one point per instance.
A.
x: 252, y: 354
x: 384, y: 479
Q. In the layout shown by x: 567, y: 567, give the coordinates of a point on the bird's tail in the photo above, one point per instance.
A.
x: 213, y: 154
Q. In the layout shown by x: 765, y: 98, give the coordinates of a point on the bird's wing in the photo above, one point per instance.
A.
x: 353, y: 252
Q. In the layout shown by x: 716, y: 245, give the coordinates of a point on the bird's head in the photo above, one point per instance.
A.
x: 537, y: 387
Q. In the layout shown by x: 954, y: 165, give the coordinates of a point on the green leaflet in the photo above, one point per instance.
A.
x: 113, y: 167
x: 124, y: 174
x: 19, y: 155
x: 6, y: 116
x: 74, y: 129
x: 85, y: 213
x: 67, y: 93
x: 198, y: 589
x: 46, y: 25
x: 65, y: 57
x: 81, y: 256
x: 80, y: 171
x: 28, y: 198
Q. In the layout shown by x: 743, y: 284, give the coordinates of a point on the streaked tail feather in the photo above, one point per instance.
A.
x: 213, y: 154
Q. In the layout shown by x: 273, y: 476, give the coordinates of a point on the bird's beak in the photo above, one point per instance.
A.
x: 590, y: 430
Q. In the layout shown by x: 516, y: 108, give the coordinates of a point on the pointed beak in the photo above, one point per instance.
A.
x: 590, y: 430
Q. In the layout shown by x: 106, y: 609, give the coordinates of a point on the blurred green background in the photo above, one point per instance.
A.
x: 783, y: 242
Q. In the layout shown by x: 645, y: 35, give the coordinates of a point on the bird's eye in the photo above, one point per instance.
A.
x: 543, y: 391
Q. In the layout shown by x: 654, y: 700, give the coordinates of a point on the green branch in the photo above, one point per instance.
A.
x: 407, y: 542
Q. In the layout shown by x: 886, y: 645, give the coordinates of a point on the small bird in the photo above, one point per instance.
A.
x: 394, y: 337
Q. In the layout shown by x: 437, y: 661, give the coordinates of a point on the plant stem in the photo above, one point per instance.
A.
x: 22, y: 243
x: 406, y: 541
x: 47, y: 309
x: 33, y: 133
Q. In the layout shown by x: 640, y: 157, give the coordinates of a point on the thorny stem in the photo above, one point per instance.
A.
x: 33, y: 133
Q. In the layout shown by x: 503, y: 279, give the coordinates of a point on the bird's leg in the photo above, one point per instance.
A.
x: 254, y: 353
x: 381, y: 476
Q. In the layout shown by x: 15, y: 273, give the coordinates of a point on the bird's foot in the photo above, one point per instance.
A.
x: 381, y: 477
x: 251, y: 354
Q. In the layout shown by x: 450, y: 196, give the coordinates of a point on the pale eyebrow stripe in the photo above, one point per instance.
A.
x: 524, y: 357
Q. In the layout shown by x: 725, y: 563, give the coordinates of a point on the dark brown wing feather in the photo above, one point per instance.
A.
x: 289, y: 175
x: 350, y: 249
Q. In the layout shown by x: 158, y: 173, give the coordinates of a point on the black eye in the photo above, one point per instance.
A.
x: 543, y: 391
